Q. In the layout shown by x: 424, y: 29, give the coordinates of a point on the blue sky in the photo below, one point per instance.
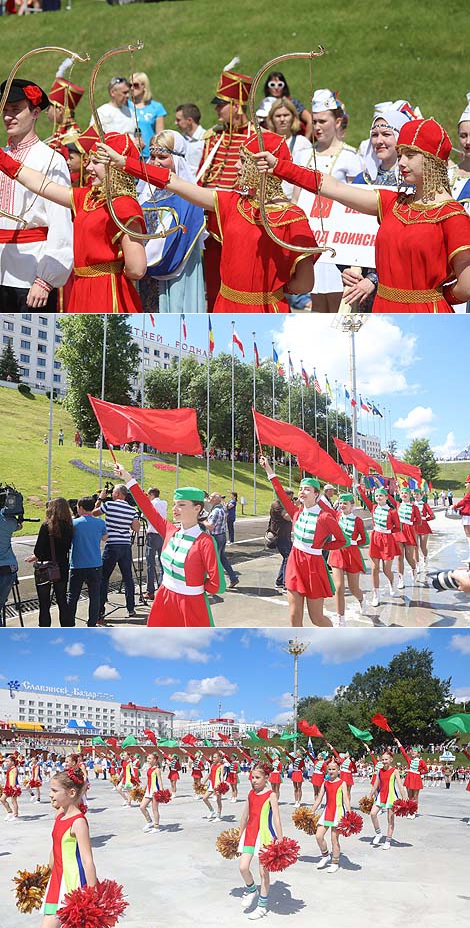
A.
x: 189, y: 672
x: 407, y: 364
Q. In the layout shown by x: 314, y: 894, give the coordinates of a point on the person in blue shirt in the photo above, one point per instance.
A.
x: 150, y: 114
x: 231, y: 511
x: 8, y: 563
x: 86, y: 560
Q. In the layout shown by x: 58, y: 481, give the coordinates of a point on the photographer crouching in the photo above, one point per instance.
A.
x: 11, y: 521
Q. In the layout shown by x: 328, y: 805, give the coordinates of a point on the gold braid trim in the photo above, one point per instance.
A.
x: 395, y: 295
x: 100, y: 270
x: 251, y: 299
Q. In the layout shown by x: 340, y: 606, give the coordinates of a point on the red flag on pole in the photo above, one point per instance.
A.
x: 311, y: 730
x: 381, y: 722
x: 357, y: 457
x: 263, y: 733
x: 150, y: 735
x: 173, y: 430
x: 112, y: 742
x: 224, y: 738
x: 238, y: 342
x: 189, y: 739
x: 310, y: 454
x: 400, y: 467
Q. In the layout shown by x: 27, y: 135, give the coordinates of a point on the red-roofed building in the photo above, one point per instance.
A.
x: 135, y: 718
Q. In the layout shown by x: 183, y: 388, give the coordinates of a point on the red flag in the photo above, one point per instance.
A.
x: 310, y: 454
x: 189, y: 739
x: 150, y: 735
x: 224, y: 738
x: 381, y: 722
x: 357, y: 457
x: 399, y: 467
x: 152, y: 320
x: 311, y: 730
x: 263, y: 733
x: 112, y: 742
x: 173, y: 430
x: 238, y: 342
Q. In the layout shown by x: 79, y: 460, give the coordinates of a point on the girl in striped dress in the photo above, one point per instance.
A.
x: 197, y: 770
x: 191, y: 566
x: 383, y: 544
x: 260, y: 825
x: 307, y: 577
x: 423, y: 530
x: 11, y: 790
x: 154, y: 783
x: 35, y: 779
x: 410, y: 519
x: 213, y: 779
x: 298, y: 767
x: 417, y: 768
x: 71, y: 859
x: 386, y: 789
x: 275, y: 777
x: 347, y: 767
x: 337, y: 803
x: 232, y: 776
x: 348, y: 560
x: 173, y: 772
x: 319, y: 770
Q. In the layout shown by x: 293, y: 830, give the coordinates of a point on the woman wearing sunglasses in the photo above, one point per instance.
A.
x: 277, y: 86
x: 149, y: 113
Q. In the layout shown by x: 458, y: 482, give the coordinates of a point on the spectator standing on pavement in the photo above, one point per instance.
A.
x: 187, y: 121
x: 86, y: 561
x: 231, y: 515
x: 450, y: 497
x: 8, y: 563
x: 280, y: 524
x: 121, y: 518
x: 215, y: 523
x: 53, y: 544
x: 154, y: 544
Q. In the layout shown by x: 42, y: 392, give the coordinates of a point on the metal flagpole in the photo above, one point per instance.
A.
x: 274, y: 409
x: 103, y: 376
x: 302, y: 395
x: 326, y: 415
x: 51, y: 411
x: 233, y: 407
x: 255, y: 447
x: 142, y: 391
x: 179, y: 401
x: 315, y: 402
x: 336, y: 404
x: 208, y: 409
x: 345, y: 416
x: 289, y: 409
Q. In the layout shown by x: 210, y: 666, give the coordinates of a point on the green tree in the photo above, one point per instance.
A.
x: 420, y: 454
x: 81, y: 353
x: 392, y: 447
x: 9, y: 367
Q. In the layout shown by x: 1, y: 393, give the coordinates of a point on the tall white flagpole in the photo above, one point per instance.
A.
x: 179, y: 401
x: 233, y: 407
x: 103, y: 378
x: 255, y: 447
x: 51, y: 413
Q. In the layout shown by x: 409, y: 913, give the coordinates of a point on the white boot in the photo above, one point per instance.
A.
x: 375, y: 601
x: 401, y: 582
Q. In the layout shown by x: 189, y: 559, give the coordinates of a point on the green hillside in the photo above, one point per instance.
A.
x: 388, y: 51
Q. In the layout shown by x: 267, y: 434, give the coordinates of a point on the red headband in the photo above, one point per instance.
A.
x: 73, y: 775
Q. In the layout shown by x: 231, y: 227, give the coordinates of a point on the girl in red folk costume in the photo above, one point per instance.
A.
x: 319, y: 771
x: 383, y: 545
x: 35, y: 779
x: 386, y: 789
x: 298, y: 767
x: 11, y: 790
x: 410, y: 519
x: 191, y: 567
x: 71, y: 859
x: 347, y: 767
x: 348, y: 560
x: 106, y: 261
x: 464, y: 508
x: 337, y: 803
x: 423, y: 529
x: 423, y: 244
x: 255, y: 271
x: 154, y: 784
x: 173, y: 772
x: 232, y: 776
x: 307, y: 577
x: 260, y: 825
x: 212, y: 780
x: 416, y: 770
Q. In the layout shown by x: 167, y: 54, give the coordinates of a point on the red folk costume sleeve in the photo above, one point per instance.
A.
x: 423, y: 767
x: 428, y: 514
x: 301, y: 177
x: 464, y: 505
x: 149, y: 172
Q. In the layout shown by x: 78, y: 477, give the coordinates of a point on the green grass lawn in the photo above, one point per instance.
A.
x: 375, y: 52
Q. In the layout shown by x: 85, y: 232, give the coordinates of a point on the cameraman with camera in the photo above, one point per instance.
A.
x: 11, y: 520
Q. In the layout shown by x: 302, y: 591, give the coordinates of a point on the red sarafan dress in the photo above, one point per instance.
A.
x: 427, y: 516
x: 100, y: 285
x: 386, y: 526
x: 414, y: 248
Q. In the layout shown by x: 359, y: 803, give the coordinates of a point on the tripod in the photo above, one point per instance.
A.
x: 140, y: 539
x: 16, y: 603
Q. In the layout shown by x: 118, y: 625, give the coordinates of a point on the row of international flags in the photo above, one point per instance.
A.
x: 365, y: 404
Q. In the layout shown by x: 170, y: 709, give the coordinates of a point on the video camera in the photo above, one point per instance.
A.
x: 11, y: 504
x: 109, y: 487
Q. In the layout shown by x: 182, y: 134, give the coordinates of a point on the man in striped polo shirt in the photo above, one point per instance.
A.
x: 121, y: 518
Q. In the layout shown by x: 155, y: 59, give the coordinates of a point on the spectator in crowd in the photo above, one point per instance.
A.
x: 187, y: 121
x: 86, y: 560
x: 215, y: 523
x: 149, y: 113
x: 116, y: 116
x: 231, y: 514
x: 8, y: 563
x: 277, y: 86
x: 121, y: 518
x: 154, y: 544
x: 53, y: 544
x: 280, y: 524
x: 61, y: 436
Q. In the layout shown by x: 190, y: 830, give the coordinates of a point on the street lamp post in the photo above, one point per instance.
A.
x: 350, y: 324
x: 296, y: 649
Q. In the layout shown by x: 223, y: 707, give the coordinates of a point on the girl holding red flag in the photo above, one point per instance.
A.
x: 385, y: 790
x: 275, y: 777
x: 423, y: 529
x: 416, y: 770
x: 307, y: 577
x: 298, y: 767
x: 191, y: 566
x: 319, y: 771
x: 154, y: 784
x: 232, y: 776
x: 383, y: 544
x: 348, y: 560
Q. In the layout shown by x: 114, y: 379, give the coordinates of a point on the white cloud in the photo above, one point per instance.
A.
x: 75, y: 650
x: 209, y: 686
x: 342, y: 649
x: 286, y: 700
x: 2, y: 677
x: 165, y: 681
x: 105, y: 672
x: 460, y: 643
x: 166, y: 644
x: 461, y: 694
x: 57, y: 641
x: 282, y: 718
x: 384, y: 353
x: 72, y: 679
x: 187, y: 715
x: 449, y: 449
x: 417, y: 423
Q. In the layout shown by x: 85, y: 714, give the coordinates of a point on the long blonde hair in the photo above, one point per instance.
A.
x: 144, y: 79
x: 288, y: 105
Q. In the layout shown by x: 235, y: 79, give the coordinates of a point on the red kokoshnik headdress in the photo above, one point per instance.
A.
x: 427, y: 137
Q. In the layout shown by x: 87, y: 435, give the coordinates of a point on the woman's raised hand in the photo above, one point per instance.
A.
x: 119, y: 471
x: 107, y: 155
x: 265, y: 161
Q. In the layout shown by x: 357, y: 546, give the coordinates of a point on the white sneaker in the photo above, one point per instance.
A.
x: 32, y: 799
x: 376, y: 841
x: 15, y: 818
x: 247, y: 899
x: 148, y: 827
x: 413, y: 815
x: 296, y: 805
x: 386, y: 845
x: 324, y: 862
x: 211, y: 817
x: 341, y: 621
x: 38, y: 802
x: 259, y: 912
x: 9, y: 816
x: 217, y: 818
x: 333, y: 868
x: 414, y: 576
x: 362, y: 605
x: 375, y: 601
x: 401, y: 582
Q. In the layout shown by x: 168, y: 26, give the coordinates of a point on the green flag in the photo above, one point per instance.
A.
x: 252, y: 736
x: 128, y: 742
x: 168, y: 743
x: 455, y: 723
x: 98, y: 740
x: 207, y: 743
x: 362, y: 735
x: 286, y: 736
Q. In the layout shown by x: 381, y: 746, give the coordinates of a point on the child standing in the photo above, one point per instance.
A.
x: 260, y: 824
x: 298, y: 767
x: 214, y: 778
x: 337, y: 803
x: 348, y: 560
x: 11, y: 790
x: 71, y: 858
x: 232, y: 778
x: 35, y: 779
x: 416, y: 770
x: 173, y: 772
x: 154, y: 783
x: 319, y: 770
x: 385, y: 791
x: 125, y: 783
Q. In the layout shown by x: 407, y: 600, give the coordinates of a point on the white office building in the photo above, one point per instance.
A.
x: 370, y: 444
x: 157, y: 353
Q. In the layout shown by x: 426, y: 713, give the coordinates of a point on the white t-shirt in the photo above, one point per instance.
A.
x: 195, y: 148
x: 117, y: 119
x: 161, y: 506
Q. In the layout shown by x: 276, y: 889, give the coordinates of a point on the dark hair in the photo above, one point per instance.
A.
x: 154, y: 490
x: 190, y: 111
x: 235, y: 495
x: 87, y: 503
x: 280, y: 77
x: 58, y: 516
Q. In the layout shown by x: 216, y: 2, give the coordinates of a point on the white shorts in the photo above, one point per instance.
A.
x: 465, y: 520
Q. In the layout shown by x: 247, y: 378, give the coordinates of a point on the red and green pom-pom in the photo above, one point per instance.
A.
x: 222, y: 788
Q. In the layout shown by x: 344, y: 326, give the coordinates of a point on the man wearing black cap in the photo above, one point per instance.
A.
x: 35, y: 257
